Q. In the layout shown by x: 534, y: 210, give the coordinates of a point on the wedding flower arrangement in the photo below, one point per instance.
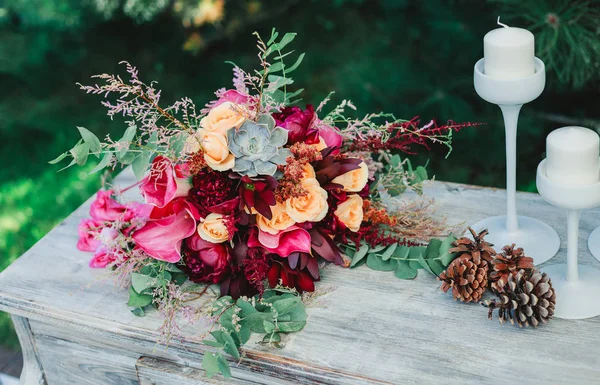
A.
x: 253, y: 193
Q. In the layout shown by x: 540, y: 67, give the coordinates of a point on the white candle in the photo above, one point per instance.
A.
x: 509, y: 53
x: 572, y: 155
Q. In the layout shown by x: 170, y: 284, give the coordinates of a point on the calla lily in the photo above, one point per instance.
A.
x: 292, y: 239
x: 161, y: 238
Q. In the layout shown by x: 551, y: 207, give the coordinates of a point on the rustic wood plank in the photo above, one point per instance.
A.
x: 373, y: 326
x: 32, y: 373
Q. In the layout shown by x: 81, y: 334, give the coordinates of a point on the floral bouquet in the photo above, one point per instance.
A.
x: 252, y: 193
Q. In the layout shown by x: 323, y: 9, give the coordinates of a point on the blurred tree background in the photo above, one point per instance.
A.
x: 410, y: 57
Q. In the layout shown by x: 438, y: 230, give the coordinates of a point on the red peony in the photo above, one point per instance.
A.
x: 299, y: 124
x: 206, y: 262
x: 210, y: 189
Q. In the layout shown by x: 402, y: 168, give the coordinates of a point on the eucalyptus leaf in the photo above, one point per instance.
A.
x: 389, y: 251
x: 377, y: 263
x: 59, y: 158
x: 286, y: 305
x: 140, y: 163
x: 138, y: 312
x: 80, y: 153
x: 296, y: 64
x: 223, y: 366
x: 138, y: 300
x: 106, y: 158
x: 210, y: 364
x: 359, y: 254
x: 214, y: 344
x: 91, y: 139
x: 404, y: 271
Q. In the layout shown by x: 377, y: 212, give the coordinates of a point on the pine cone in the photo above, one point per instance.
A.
x: 524, y: 299
x: 467, y: 276
x: 509, y: 262
x: 476, y: 247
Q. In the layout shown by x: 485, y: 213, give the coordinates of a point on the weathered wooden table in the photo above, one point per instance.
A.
x: 372, y: 329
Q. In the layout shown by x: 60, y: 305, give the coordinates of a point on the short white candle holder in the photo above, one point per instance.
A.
x: 537, y: 238
x: 577, y: 286
x: 594, y: 243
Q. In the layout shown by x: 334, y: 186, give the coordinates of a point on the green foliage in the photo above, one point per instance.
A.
x: 279, y: 311
x: 404, y: 261
x: 566, y: 34
x: 150, y: 281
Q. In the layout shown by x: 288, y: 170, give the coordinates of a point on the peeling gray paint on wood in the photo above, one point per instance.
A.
x: 373, y: 328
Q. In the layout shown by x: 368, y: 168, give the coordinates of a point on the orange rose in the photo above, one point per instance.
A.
x: 280, y: 220
x: 216, y: 152
x: 311, y: 207
x: 350, y: 212
x: 355, y: 180
x: 223, y: 117
x: 213, y: 229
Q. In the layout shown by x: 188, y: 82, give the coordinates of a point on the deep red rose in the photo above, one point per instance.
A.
x: 299, y: 124
x: 206, y: 262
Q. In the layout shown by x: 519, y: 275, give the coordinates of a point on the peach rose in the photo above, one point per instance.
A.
x: 350, y: 212
x: 280, y: 220
x: 216, y: 152
x: 355, y: 180
x: 223, y: 117
x: 213, y: 229
x: 309, y: 172
x: 311, y: 207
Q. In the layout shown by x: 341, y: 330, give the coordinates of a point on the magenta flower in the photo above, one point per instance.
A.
x: 88, y: 230
x: 292, y: 239
x: 161, y: 237
x: 299, y: 124
x: 331, y: 135
x: 102, y: 258
x: 105, y: 208
x: 161, y: 186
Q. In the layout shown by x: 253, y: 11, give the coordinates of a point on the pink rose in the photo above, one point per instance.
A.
x: 232, y: 96
x: 88, y: 231
x: 161, y: 186
x: 105, y: 208
x: 206, y: 262
x: 283, y: 243
x: 331, y: 135
x: 162, y: 235
x: 102, y: 258
x: 299, y: 124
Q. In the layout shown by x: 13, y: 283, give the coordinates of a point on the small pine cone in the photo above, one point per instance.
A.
x: 477, y: 247
x: 527, y: 299
x: 467, y: 276
x: 509, y: 262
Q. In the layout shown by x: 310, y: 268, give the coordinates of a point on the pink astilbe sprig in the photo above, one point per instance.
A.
x: 138, y: 103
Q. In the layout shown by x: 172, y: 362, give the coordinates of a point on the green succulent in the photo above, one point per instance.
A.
x: 258, y: 147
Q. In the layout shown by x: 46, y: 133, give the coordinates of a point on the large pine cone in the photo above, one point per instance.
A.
x: 509, y: 262
x: 524, y: 299
x: 467, y: 276
x: 477, y: 247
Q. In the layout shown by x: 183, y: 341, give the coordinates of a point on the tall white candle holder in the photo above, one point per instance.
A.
x: 536, y: 237
x: 594, y: 243
x: 577, y: 286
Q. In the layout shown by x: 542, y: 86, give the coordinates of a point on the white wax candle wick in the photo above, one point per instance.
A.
x: 502, y: 24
